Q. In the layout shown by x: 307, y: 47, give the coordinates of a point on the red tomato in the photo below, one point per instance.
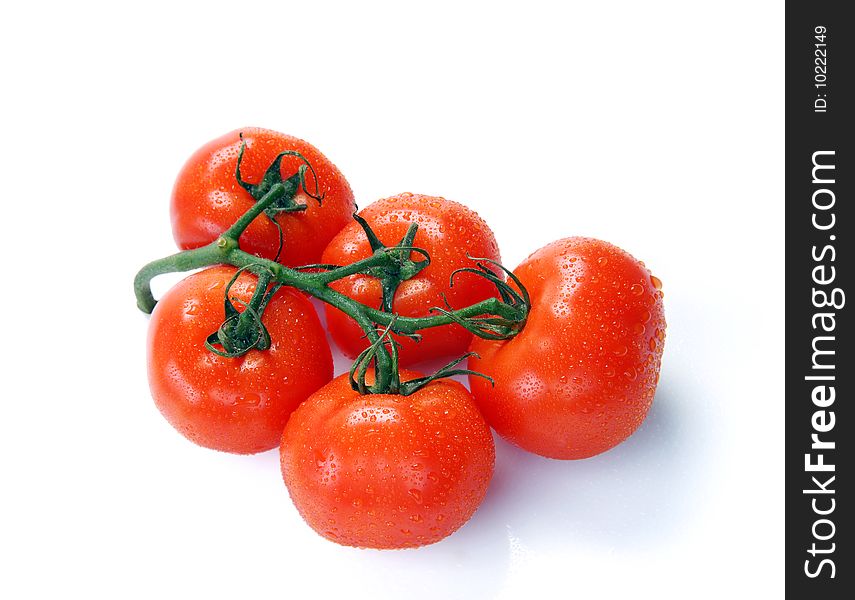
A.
x: 448, y: 231
x: 207, y: 198
x: 387, y: 471
x: 580, y: 377
x: 233, y: 404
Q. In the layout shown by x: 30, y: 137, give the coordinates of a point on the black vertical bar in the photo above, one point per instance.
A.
x: 820, y: 360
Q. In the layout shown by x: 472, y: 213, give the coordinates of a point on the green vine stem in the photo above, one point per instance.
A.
x: 493, y: 318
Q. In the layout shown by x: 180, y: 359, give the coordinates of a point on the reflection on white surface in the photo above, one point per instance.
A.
x: 624, y: 498
x: 628, y: 500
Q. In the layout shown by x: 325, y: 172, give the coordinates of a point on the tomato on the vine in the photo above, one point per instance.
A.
x: 448, y: 231
x: 581, y: 376
x: 207, y: 197
x: 387, y: 471
x: 238, y: 404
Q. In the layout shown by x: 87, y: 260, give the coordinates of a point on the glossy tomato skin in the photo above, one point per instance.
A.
x: 207, y: 198
x: 581, y: 376
x: 237, y: 404
x: 387, y: 471
x: 448, y: 231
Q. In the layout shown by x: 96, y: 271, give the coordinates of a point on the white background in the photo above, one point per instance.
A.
x: 655, y: 125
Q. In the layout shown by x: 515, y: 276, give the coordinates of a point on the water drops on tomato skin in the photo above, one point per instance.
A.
x: 249, y: 399
x: 607, y: 294
x: 234, y: 401
x: 412, y: 486
x: 206, y: 197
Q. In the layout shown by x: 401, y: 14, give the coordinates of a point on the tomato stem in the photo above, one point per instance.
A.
x: 399, y: 265
x: 244, y: 331
x: 188, y: 260
x: 493, y: 318
x: 277, y: 191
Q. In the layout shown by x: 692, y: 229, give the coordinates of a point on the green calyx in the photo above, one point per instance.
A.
x: 273, y: 175
x: 398, y: 266
x: 243, y: 330
x: 494, y: 327
x: 285, y: 200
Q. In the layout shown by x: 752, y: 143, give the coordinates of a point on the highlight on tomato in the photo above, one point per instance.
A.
x: 227, y: 373
x: 448, y: 231
x: 208, y: 197
x: 581, y: 375
x: 387, y: 470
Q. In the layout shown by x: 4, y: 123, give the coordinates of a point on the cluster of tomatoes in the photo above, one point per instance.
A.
x: 388, y: 470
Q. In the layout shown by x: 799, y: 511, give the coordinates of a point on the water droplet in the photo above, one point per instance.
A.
x: 637, y: 289
x: 652, y: 344
x: 638, y: 329
x: 602, y: 261
x: 416, y: 495
x: 657, y: 283
x: 249, y: 399
x: 620, y: 350
x: 630, y: 374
